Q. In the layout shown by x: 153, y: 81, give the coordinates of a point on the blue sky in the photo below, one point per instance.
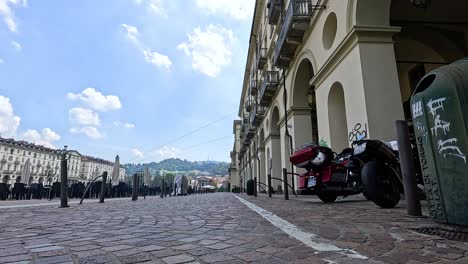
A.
x: 123, y: 77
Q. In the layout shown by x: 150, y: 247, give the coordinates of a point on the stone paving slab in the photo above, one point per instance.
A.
x: 217, y: 228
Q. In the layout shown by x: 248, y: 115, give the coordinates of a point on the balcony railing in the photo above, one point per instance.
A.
x: 270, y: 82
x: 295, y: 23
x: 253, y: 88
x: 250, y: 133
x: 248, y: 106
x: 261, y: 58
x: 274, y: 11
x: 257, y: 115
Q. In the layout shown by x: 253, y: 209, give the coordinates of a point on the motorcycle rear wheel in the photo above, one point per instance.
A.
x: 327, y: 197
x: 381, y: 184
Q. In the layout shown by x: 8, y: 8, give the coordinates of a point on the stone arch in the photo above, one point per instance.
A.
x: 338, y: 121
x: 254, y: 160
x: 262, y: 158
x: 304, y: 117
x: 5, y: 179
x: 274, y: 124
x: 305, y: 54
x: 275, y: 143
x: 300, y: 87
x: 368, y: 13
x: 422, y: 47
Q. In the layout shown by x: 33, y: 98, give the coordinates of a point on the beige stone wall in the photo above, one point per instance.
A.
x: 361, y: 52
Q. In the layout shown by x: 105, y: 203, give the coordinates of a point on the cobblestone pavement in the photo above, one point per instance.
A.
x: 219, y: 228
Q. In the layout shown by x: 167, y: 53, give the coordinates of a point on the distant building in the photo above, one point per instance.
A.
x: 202, y: 181
x: 45, y: 163
x: 92, y: 167
x: 73, y: 165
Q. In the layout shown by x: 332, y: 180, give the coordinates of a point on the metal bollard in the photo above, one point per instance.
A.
x: 269, y: 185
x: 63, y: 181
x: 165, y: 187
x: 103, y: 187
x: 162, y: 189
x: 170, y: 189
x: 135, y: 187
x: 407, y: 169
x: 285, y: 184
x: 255, y: 186
x: 293, y: 185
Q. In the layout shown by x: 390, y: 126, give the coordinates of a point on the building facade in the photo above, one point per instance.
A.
x: 74, y: 165
x: 332, y: 72
x: 234, y: 175
x: 45, y: 163
x: 92, y: 167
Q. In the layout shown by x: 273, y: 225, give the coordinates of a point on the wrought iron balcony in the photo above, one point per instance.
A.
x: 274, y: 11
x: 250, y: 133
x: 295, y: 23
x: 257, y: 115
x: 248, y: 106
x: 270, y: 82
x: 261, y: 58
x: 253, y: 88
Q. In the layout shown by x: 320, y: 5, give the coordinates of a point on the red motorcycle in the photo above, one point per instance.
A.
x: 329, y: 175
x: 371, y: 167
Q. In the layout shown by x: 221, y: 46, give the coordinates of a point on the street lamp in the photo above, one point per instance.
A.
x: 421, y: 3
x: 311, y: 101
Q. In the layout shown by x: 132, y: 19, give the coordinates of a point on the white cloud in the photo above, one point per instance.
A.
x: 96, y: 100
x: 154, y: 6
x: 89, y: 131
x: 168, y: 152
x: 237, y: 9
x: 155, y: 58
x: 9, y: 121
x: 137, y: 153
x: 210, y: 49
x: 7, y: 14
x: 132, y: 34
x: 125, y: 125
x: 50, y: 135
x: 16, y: 46
x: 84, y: 117
x: 46, y: 138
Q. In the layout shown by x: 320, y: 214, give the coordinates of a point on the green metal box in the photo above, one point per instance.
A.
x: 440, y: 117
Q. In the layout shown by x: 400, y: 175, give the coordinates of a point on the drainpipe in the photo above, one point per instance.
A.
x: 285, y: 97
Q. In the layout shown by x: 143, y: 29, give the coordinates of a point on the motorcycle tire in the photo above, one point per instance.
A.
x: 327, y: 197
x: 380, y: 184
